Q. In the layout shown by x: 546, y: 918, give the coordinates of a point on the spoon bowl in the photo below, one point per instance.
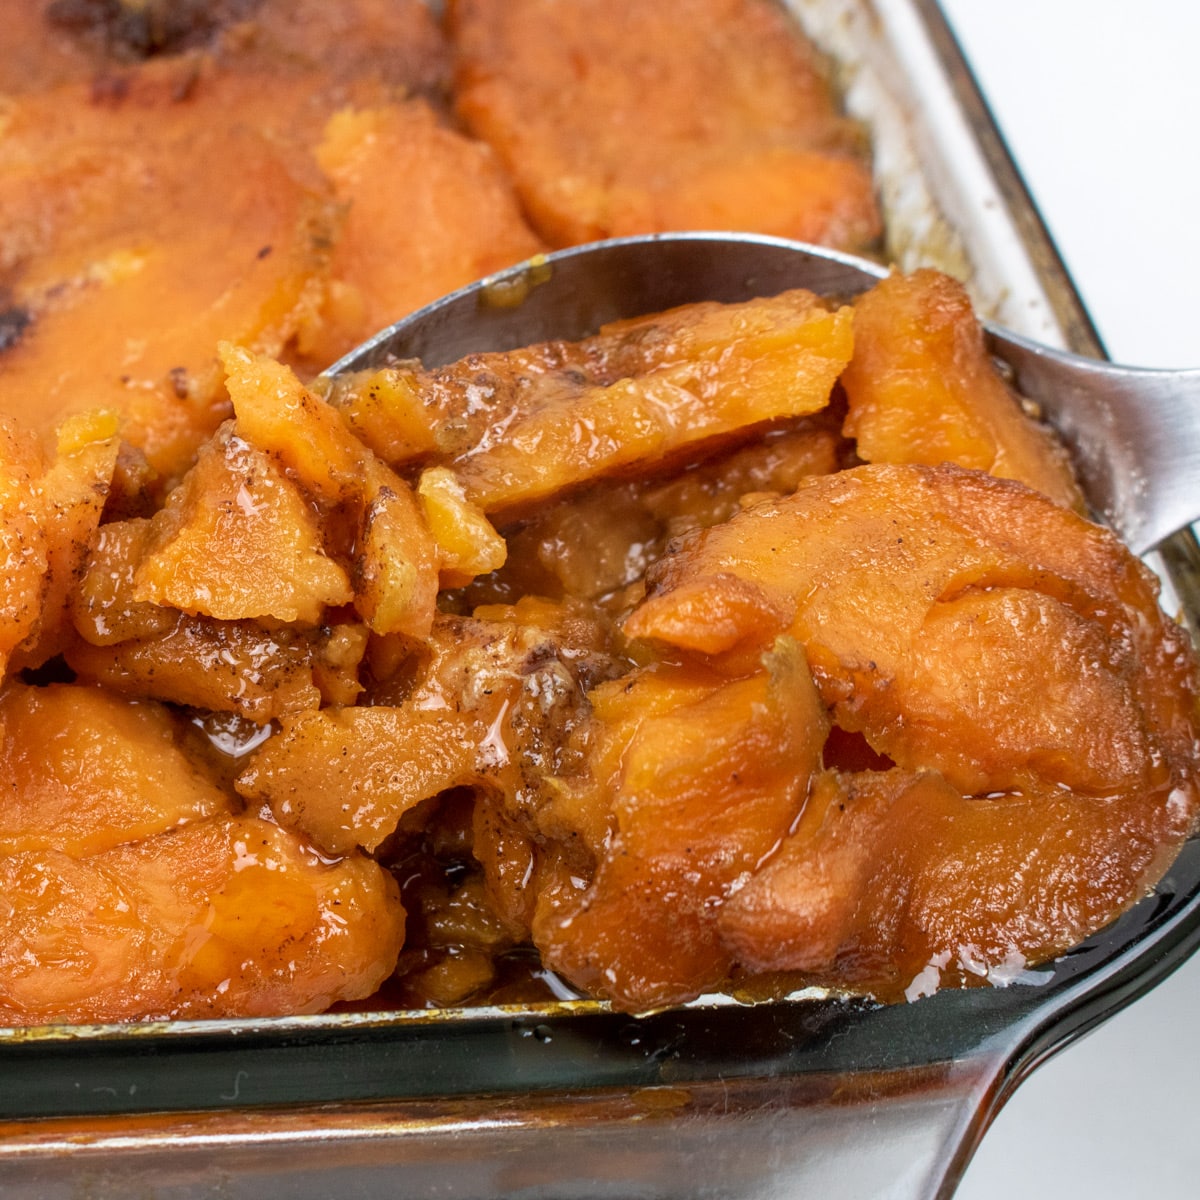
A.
x: 1133, y: 433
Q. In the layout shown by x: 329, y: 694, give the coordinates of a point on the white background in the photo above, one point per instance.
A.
x: 1100, y: 103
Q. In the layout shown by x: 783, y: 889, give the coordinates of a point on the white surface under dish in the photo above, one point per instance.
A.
x: 1093, y: 97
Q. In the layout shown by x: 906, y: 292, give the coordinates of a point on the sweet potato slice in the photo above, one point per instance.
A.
x: 1002, y: 651
x: 218, y: 666
x: 130, y: 262
x: 896, y: 882
x: 306, y: 436
x: 220, y: 917
x: 497, y: 695
x: 85, y: 771
x: 620, y: 118
x: 427, y: 211
x: 904, y: 556
x: 922, y: 389
x: 709, y: 775
x: 23, y: 551
x: 237, y: 540
x: 703, y: 373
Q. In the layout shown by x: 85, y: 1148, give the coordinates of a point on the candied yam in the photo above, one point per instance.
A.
x: 84, y: 771
x: 468, y: 544
x: 278, y: 414
x: 594, y: 543
x: 221, y: 917
x: 219, y: 666
x: 714, y: 614
x: 74, y: 945
x: 889, y: 545
x: 336, y: 659
x: 396, y: 567
x: 712, y: 371
x: 805, y: 195
x: 130, y: 273
x: 712, y: 491
x: 427, y: 211
x: 1074, y: 722
x: 103, y: 609
x: 620, y: 118
x: 70, y: 497
x: 897, y: 882
x: 288, y: 930
x: 237, y: 540
x: 705, y: 788
x: 388, y: 413
x: 988, y: 640
x: 922, y: 389
x: 346, y: 776
x: 492, y: 693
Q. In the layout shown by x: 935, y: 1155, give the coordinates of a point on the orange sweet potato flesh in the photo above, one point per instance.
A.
x: 604, y: 136
x: 367, y: 633
x: 427, y: 211
x: 913, y: 590
x: 922, y: 388
x: 700, y: 778
x: 237, y: 540
x: 109, y: 227
x: 133, y: 889
x: 49, y: 511
x: 894, y: 881
x: 709, y: 372
x: 85, y: 771
x: 477, y: 708
x: 221, y: 917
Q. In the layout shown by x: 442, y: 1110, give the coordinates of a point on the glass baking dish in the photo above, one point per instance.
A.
x: 568, y: 1099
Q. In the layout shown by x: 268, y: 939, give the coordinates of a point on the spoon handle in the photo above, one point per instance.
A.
x: 1134, y: 435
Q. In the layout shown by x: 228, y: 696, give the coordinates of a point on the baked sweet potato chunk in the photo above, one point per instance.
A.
x: 694, y: 377
x: 427, y: 211
x: 697, y: 778
x: 133, y: 244
x: 1012, y: 662
x: 621, y: 118
x: 922, y: 388
x: 238, y: 540
x: 132, y: 889
x: 220, y: 917
x: 85, y: 771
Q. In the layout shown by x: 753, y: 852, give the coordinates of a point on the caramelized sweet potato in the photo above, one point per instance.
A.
x: 48, y: 513
x: 479, y: 712
x: 707, y: 372
x: 698, y: 778
x: 238, y: 540
x: 85, y: 771
x: 427, y: 211
x: 222, y: 916
x: 131, y: 889
x: 913, y: 592
x: 922, y: 389
x: 23, y: 556
x: 129, y: 272
x: 606, y: 135
x: 896, y: 882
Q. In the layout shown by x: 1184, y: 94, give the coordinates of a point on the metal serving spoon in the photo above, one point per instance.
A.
x: 1134, y: 434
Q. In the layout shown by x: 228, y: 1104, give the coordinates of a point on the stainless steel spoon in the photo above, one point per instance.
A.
x: 1134, y: 434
